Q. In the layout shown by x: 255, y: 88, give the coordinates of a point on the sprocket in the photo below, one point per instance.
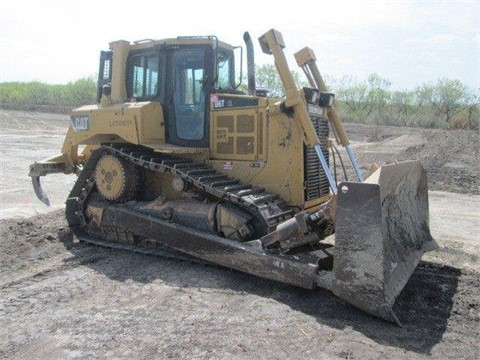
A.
x: 115, y: 178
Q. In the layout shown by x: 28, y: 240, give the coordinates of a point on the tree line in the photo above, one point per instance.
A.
x: 77, y: 93
x: 445, y: 103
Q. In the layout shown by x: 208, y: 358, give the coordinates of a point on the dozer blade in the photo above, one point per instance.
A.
x: 381, y: 232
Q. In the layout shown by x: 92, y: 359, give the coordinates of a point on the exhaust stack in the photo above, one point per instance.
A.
x: 250, y: 63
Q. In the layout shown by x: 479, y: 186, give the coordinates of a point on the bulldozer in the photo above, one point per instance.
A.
x: 175, y: 159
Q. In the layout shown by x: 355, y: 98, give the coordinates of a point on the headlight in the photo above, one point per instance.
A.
x: 326, y: 99
x: 311, y: 95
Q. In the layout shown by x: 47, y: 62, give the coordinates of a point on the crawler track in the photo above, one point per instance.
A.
x: 268, y: 209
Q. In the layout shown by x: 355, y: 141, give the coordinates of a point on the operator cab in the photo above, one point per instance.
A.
x: 181, y: 74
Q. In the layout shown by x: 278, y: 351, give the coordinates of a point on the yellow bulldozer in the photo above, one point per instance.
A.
x: 175, y: 160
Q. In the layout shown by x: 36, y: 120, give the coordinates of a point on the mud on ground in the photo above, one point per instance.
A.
x: 63, y: 299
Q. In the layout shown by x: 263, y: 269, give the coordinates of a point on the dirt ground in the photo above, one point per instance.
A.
x: 61, y: 299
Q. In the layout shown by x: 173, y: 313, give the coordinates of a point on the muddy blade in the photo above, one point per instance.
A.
x: 37, y: 186
x: 382, y: 232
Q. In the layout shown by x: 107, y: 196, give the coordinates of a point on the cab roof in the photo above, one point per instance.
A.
x: 181, y: 40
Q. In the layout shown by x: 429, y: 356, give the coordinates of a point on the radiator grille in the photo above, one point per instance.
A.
x: 316, y: 182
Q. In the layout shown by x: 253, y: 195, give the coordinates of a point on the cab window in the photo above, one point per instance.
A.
x: 145, y: 75
x: 225, y: 70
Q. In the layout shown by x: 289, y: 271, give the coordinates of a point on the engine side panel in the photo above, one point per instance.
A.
x: 266, y: 149
x: 137, y: 123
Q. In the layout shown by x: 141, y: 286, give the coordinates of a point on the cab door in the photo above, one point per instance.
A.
x: 188, y: 93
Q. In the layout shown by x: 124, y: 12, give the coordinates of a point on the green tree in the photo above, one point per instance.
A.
x: 367, y: 99
x: 82, y: 91
x: 353, y: 95
x: 446, y: 98
x: 378, y: 98
x: 267, y: 77
x: 473, y: 113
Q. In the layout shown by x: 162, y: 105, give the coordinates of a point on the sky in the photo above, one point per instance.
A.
x: 408, y: 42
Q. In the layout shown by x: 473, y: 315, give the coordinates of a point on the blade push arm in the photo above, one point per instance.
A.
x: 307, y: 61
x: 272, y: 44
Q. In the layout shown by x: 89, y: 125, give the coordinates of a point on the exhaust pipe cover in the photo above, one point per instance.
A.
x: 250, y: 64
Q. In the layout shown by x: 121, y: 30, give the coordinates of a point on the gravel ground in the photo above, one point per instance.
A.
x: 63, y: 299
